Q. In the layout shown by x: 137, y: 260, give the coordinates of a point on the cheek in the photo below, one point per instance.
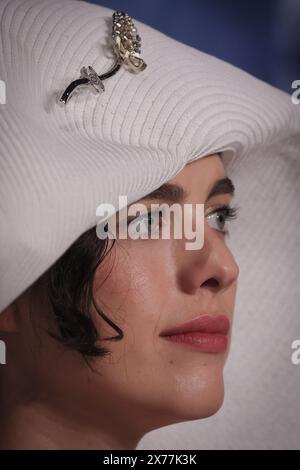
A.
x: 131, y: 290
x: 132, y: 284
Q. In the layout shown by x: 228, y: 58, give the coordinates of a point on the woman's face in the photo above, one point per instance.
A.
x: 147, y: 286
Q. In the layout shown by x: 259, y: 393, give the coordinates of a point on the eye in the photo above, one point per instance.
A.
x: 217, y: 218
x: 145, y: 224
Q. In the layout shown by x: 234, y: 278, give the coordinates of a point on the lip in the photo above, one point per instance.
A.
x: 204, y: 333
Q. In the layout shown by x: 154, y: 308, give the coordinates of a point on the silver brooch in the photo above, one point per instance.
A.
x: 127, y: 48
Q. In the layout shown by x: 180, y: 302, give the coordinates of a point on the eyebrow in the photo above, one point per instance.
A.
x: 173, y: 192
x: 222, y: 186
x: 168, y: 192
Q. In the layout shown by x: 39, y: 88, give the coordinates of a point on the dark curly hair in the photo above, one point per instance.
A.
x: 70, y: 292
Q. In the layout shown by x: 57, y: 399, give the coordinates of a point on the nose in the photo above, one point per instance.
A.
x: 213, y: 266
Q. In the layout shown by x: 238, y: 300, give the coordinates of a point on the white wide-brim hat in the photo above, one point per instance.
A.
x: 58, y: 163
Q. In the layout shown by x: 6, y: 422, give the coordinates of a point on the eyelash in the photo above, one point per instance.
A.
x: 229, y: 212
x: 145, y: 215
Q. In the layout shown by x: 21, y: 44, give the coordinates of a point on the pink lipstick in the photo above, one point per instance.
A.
x: 205, y: 333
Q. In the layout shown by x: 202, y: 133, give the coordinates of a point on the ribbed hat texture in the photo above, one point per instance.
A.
x: 59, y: 163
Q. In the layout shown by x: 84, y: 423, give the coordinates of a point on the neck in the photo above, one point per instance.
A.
x: 40, y: 427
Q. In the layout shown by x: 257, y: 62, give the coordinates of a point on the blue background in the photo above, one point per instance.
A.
x: 259, y: 36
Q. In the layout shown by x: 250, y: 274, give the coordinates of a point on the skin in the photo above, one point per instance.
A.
x: 51, y: 399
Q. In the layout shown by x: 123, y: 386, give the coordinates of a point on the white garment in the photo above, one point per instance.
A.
x: 59, y: 163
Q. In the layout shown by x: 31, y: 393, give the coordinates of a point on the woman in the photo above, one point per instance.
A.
x: 144, y: 286
x: 89, y: 365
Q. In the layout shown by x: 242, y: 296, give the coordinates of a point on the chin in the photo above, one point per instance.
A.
x: 206, y: 402
x: 197, y: 397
